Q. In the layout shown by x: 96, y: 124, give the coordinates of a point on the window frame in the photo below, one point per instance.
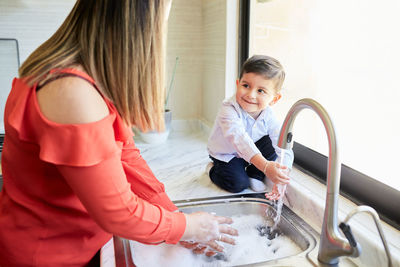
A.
x: 19, y: 64
x: 383, y: 198
x: 2, y: 135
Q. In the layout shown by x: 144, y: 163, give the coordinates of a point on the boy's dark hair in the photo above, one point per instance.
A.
x: 266, y: 66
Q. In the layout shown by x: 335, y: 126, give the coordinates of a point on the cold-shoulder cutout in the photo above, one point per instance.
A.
x: 83, y: 142
x: 71, y: 100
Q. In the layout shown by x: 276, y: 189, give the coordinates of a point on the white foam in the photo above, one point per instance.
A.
x: 250, y: 248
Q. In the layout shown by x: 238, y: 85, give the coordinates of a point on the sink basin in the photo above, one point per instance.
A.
x: 290, y: 227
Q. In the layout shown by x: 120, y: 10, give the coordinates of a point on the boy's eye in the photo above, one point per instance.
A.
x: 262, y: 91
x: 245, y: 85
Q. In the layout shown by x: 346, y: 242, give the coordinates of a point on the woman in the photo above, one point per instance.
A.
x: 72, y: 174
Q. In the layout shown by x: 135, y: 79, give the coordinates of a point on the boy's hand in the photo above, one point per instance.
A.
x: 276, y: 192
x: 277, y: 173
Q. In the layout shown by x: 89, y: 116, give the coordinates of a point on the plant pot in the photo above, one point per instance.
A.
x: 154, y: 137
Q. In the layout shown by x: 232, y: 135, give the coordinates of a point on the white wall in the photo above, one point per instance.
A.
x: 185, y: 39
x: 31, y: 22
x: 214, y: 29
x: 231, y: 46
x: 204, y: 36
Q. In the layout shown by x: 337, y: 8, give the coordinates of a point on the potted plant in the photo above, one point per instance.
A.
x: 154, y: 137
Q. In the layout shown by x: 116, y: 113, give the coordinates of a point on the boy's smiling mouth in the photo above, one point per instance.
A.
x: 249, y: 102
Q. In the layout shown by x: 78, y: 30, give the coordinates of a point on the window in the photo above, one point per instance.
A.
x: 9, y: 64
x: 345, y: 55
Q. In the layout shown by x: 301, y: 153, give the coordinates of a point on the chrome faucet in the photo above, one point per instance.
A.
x: 332, y: 244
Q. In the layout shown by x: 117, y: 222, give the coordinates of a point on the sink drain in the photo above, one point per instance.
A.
x: 268, y: 232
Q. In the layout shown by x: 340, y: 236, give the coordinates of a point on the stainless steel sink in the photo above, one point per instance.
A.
x: 290, y: 225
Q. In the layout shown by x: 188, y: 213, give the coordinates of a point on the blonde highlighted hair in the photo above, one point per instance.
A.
x: 121, y: 45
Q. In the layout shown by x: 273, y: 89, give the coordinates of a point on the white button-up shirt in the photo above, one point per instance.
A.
x: 235, y: 132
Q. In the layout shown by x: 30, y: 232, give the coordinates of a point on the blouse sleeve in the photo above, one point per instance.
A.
x: 143, y: 182
x: 105, y: 193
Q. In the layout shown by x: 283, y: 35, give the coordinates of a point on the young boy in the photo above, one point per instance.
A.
x: 243, y: 141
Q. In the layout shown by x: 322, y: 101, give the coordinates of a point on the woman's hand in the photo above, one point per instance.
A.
x: 276, y: 172
x: 203, y: 230
x: 198, y: 248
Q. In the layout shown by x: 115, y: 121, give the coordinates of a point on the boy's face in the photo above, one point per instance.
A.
x: 254, y: 93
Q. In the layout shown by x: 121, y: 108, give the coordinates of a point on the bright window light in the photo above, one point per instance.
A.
x: 344, y: 54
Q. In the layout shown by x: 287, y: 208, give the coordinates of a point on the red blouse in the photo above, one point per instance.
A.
x: 69, y: 187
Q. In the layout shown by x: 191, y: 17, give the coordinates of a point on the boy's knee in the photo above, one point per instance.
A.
x: 230, y: 184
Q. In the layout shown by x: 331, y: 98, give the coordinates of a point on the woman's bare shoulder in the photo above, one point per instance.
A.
x: 71, y: 100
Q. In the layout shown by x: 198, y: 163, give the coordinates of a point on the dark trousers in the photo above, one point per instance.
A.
x: 233, y: 176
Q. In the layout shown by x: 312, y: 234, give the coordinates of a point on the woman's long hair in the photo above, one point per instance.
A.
x: 121, y: 45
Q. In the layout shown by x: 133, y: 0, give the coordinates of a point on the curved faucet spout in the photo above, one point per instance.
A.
x: 332, y: 244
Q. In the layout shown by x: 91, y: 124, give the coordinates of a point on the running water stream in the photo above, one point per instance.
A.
x: 277, y: 204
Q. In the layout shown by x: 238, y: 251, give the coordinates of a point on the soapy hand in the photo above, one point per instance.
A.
x: 198, y: 248
x: 277, y: 173
x: 203, y: 230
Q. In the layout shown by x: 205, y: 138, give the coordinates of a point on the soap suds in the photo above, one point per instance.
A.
x: 256, y: 242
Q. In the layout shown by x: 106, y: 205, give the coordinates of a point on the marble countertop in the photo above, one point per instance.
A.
x: 180, y: 164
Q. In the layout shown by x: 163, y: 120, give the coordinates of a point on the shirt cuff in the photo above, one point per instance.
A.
x: 245, y: 147
x: 249, y: 152
x: 178, y: 226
